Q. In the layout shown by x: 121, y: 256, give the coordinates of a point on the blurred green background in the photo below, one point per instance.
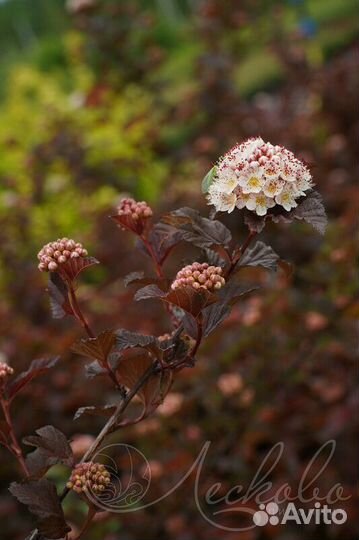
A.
x: 104, y: 97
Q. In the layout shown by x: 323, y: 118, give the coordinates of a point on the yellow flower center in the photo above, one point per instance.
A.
x: 254, y: 182
x: 261, y: 200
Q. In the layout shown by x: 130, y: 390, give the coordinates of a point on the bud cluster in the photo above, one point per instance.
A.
x: 89, y: 477
x: 199, y: 276
x: 59, y: 252
x: 136, y: 210
x: 5, y: 371
x: 258, y: 176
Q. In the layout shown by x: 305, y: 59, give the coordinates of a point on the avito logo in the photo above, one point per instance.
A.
x: 270, y: 513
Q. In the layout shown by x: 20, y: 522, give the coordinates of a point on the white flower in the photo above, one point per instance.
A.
x: 273, y: 187
x: 252, y: 179
x: 303, y: 182
x: 260, y: 203
x: 257, y: 176
x: 286, y: 199
x: 224, y: 202
x: 228, y: 180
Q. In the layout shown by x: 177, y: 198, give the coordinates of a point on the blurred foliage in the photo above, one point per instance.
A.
x: 137, y: 96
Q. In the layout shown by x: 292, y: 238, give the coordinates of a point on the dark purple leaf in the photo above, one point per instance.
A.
x: 213, y: 316
x: 215, y: 258
x: 134, y: 277
x: 37, y: 367
x: 100, y: 410
x: 127, y: 340
x: 197, y: 230
x: 42, y: 500
x: 73, y: 267
x: 52, y: 447
x: 312, y: 210
x: 232, y: 292
x: 150, y: 291
x: 187, y: 298
x: 190, y: 325
x: 59, y: 296
x: 309, y: 209
x: 254, y: 223
x: 216, y: 313
x: 94, y: 370
x: 98, y: 348
x: 260, y: 255
x: 163, y: 239
x: 191, y: 300
x: 132, y: 367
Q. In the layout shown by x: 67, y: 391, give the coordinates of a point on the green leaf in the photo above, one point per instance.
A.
x: 208, y: 179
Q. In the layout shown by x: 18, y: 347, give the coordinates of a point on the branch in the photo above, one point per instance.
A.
x: 15, y: 446
x: 110, y: 425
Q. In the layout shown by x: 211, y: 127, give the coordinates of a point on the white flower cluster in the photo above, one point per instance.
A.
x: 257, y: 176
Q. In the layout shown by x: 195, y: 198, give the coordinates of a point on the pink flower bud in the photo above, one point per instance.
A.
x: 199, y: 276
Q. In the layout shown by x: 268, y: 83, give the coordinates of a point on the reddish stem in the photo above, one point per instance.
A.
x: 240, y: 252
x: 82, y: 320
x: 15, y: 446
x: 90, y: 514
x: 77, y: 311
x: 152, y: 254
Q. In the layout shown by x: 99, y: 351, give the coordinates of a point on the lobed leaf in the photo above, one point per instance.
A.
x: 200, y: 231
x: 52, y: 447
x: 215, y: 314
x: 163, y: 239
x: 127, y: 340
x: 150, y: 291
x: 132, y: 367
x: 260, y: 255
x: 42, y: 500
x: 312, y: 210
x: 98, y: 348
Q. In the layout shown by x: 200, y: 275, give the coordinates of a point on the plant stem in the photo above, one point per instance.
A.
x: 82, y: 320
x: 15, y: 446
x: 241, y: 251
x: 77, y: 311
x: 108, y: 427
x: 160, y: 274
x: 152, y: 254
x: 90, y: 514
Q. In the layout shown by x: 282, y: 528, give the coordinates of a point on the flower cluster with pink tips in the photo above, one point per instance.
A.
x: 5, y: 371
x: 59, y: 252
x: 199, y: 276
x: 89, y: 477
x: 258, y: 176
x: 137, y: 210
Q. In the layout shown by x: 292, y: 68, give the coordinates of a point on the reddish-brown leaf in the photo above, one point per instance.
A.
x: 132, y: 367
x: 52, y: 447
x: 73, y: 267
x: 42, y: 500
x: 98, y: 348
x: 37, y: 367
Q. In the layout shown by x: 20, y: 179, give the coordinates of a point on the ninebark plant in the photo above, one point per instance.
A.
x: 262, y: 181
